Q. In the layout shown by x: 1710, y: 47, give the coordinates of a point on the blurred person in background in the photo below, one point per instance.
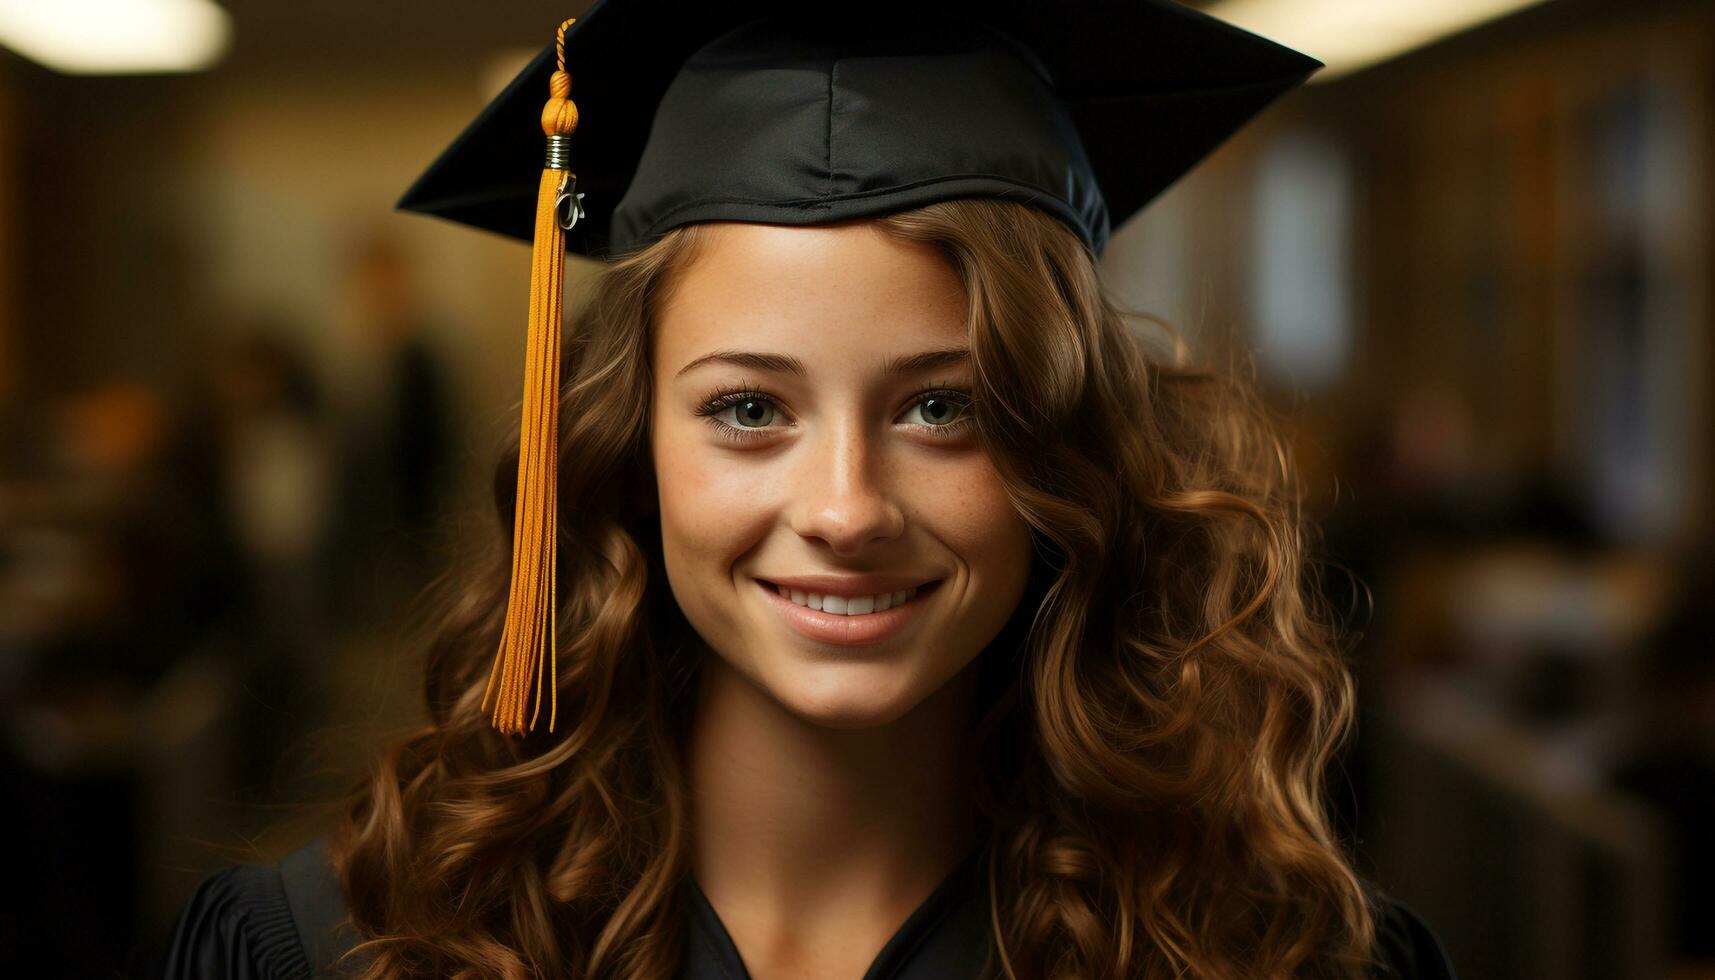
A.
x: 268, y: 465
x: 395, y: 469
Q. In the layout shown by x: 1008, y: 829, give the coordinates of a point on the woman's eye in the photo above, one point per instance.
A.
x: 939, y: 410
x: 739, y: 415
x: 753, y: 413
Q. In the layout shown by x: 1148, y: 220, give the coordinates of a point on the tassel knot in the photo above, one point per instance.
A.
x: 560, y: 115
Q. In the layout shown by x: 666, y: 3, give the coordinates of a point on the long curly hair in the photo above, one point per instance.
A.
x: 1156, y: 720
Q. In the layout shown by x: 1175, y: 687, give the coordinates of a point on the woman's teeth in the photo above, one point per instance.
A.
x: 854, y: 606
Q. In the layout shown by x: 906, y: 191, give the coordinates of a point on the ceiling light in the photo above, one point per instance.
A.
x: 1351, y: 34
x: 116, y: 37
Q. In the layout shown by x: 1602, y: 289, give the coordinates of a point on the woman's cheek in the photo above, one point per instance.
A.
x: 712, y: 513
x: 719, y: 498
x: 973, y: 513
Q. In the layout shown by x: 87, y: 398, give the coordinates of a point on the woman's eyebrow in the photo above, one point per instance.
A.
x: 929, y: 360
x: 756, y: 360
x: 787, y: 364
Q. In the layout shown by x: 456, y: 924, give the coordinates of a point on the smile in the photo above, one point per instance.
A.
x: 855, y: 605
x: 847, y: 621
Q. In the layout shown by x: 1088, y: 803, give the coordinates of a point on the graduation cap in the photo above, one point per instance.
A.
x: 795, y: 113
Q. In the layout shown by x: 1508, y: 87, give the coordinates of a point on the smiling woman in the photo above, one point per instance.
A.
x: 1092, y: 729
x: 910, y: 614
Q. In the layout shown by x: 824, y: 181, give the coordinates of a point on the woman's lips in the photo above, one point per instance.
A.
x: 839, y: 630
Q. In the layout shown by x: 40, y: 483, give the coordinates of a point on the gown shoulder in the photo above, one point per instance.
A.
x: 279, y: 921
x: 286, y: 921
x: 1406, y: 947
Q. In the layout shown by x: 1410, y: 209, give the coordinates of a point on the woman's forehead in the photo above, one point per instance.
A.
x: 821, y: 294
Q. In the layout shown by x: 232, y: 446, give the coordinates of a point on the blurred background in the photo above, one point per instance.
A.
x: 247, y: 412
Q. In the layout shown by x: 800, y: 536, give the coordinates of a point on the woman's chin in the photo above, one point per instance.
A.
x: 843, y: 699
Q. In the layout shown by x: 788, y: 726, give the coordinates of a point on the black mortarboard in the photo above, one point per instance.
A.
x: 805, y: 113
x: 801, y: 113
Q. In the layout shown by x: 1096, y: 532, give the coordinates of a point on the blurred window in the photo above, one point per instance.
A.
x: 1300, y: 272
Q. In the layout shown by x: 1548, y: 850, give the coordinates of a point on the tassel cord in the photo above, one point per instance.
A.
x: 528, y: 657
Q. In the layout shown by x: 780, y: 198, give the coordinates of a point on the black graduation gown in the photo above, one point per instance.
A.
x: 284, y: 922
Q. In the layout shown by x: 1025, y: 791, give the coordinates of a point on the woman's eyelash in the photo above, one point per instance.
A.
x: 726, y: 397
x: 723, y: 399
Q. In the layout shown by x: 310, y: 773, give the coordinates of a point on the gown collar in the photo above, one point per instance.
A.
x: 946, y: 937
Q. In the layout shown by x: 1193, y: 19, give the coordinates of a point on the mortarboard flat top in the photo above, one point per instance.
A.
x: 794, y: 113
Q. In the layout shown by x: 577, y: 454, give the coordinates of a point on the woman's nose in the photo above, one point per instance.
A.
x: 844, y: 491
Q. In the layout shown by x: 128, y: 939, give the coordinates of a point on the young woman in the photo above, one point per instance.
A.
x: 916, y: 614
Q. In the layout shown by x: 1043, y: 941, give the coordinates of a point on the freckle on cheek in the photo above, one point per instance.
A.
x: 982, y: 498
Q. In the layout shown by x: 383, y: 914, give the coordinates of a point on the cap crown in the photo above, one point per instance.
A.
x: 805, y: 119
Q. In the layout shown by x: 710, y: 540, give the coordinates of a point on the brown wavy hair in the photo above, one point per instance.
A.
x: 1157, y: 718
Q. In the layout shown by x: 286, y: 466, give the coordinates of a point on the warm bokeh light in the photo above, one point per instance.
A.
x: 1351, y: 34
x: 113, y: 37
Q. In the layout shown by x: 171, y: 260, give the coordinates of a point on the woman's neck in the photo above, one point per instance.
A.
x: 805, y: 835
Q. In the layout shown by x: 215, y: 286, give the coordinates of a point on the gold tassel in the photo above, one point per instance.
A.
x: 527, y: 661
